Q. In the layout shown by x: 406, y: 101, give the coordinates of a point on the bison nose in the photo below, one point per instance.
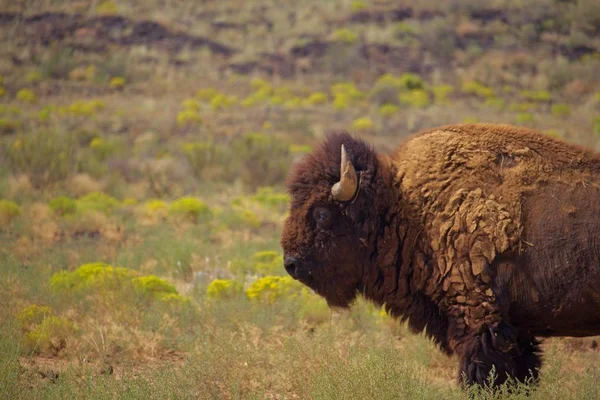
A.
x: 292, y: 266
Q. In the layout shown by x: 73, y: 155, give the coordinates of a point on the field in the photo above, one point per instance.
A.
x: 144, y: 147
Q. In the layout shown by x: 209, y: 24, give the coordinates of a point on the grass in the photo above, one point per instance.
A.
x: 168, y: 159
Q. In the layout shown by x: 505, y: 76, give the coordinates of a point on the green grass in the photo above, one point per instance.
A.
x: 171, y: 161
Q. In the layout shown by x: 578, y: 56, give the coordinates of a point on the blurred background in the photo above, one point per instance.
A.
x: 143, y: 151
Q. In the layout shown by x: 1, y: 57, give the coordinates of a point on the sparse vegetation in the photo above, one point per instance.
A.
x: 142, y: 170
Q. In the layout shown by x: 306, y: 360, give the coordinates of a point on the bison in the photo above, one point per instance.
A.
x: 485, y: 236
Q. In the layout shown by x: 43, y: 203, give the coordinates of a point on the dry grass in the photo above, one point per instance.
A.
x: 119, y: 125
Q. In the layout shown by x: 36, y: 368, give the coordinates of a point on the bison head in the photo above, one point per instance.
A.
x: 337, y: 195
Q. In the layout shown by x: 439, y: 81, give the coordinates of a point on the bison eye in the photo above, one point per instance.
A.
x: 323, y: 217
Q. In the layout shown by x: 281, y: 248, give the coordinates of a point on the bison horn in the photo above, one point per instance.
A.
x: 345, y: 189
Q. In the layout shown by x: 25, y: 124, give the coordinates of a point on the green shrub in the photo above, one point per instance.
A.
x: 300, y: 148
x: 242, y: 218
x: 414, y: 98
x: 117, y: 284
x: 106, y: 8
x: 357, y: 5
x: 153, y: 286
x: 261, y: 160
x: 410, y: 81
x: 203, y: 157
x: 341, y: 101
x: 470, y: 120
x: 344, y: 35
x: 258, y: 83
x: 190, y: 104
x: 387, y: 87
x: 26, y: 95
x: 560, y: 110
x: 91, y: 276
x: 317, y: 98
x: 63, y: 205
x: 97, y: 201
x: 9, y: 210
x: 387, y: 110
x: 348, y: 89
x: 441, y: 93
x: 190, y: 208
x: 9, y: 126
x: 385, y: 90
x: 33, y: 314
x: 45, y: 113
x: 495, y: 103
x: 82, y: 108
x: 478, y: 89
x: 553, y: 133
x: 47, y: 157
x: 525, y: 118
x: 117, y: 82
x: 156, y: 207
x: 522, y: 107
x: 48, y: 337
x: 261, y: 95
x: 206, y: 94
x: 224, y: 289
x: 59, y: 63
x: 313, y: 307
x: 103, y: 149
x: 539, y: 96
x: 221, y: 102
x: 363, y: 124
x: 270, y: 289
x: 268, y: 197
x: 293, y: 103
x: 188, y: 117
x: 267, y: 263
x: 596, y: 125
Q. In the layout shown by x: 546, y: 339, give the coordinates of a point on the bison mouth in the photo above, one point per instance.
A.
x: 334, y: 289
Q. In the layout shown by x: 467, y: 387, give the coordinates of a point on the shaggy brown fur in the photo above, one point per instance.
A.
x: 484, y: 235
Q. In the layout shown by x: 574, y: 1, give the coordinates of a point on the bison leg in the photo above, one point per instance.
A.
x: 512, y: 353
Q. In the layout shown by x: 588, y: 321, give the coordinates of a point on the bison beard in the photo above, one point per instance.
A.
x: 483, y: 235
